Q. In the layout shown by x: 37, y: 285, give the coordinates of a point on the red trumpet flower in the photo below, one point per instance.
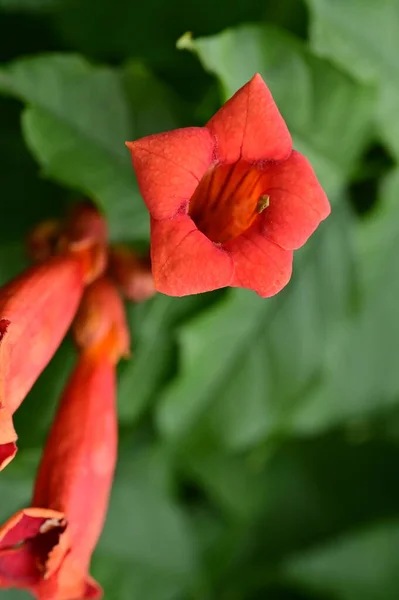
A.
x: 37, y: 308
x: 229, y: 202
x: 47, y: 549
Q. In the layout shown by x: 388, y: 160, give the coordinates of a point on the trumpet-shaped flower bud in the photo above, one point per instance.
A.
x: 47, y: 548
x: 132, y: 273
x: 36, y: 310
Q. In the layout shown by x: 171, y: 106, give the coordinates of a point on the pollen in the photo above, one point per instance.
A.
x: 228, y: 199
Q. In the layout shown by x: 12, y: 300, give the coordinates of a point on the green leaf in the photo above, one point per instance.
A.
x: 266, y: 354
x: 147, y: 539
x: 15, y: 595
x: 79, y: 117
x: 359, y: 35
x: 314, y: 98
x: 34, y: 417
x: 377, y: 234
x: 363, y: 564
x: 296, y: 499
x: 122, y: 578
x: 360, y: 375
x: 153, y: 325
x: 362, y: 38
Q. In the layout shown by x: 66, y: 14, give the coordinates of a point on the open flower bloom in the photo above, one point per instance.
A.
x: 37, y: 308
x: 229, y: 202
x: 47, y: 548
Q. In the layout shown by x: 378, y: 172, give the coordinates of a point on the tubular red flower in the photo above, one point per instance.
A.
x: 47, y: 549
x: 230, y: 201
x: 36, y: 309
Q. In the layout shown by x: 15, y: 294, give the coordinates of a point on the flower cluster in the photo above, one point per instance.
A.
x: 77, y: 280
x: 229, y: 203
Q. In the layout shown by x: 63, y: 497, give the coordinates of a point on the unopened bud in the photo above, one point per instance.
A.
x: 132, y: 273
x: 100, y: 323
x: 85, y: 234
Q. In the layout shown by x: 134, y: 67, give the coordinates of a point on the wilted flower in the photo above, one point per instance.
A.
x: 229, y: 202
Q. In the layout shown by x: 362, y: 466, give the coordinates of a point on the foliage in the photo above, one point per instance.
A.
x: 259, y: 438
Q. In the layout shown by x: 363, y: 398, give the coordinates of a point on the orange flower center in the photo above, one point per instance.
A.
x: 227, y: 200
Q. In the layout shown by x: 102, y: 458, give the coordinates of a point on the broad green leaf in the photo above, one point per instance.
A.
x: 304, y: 494
x: 77, y: 121
x: 15, y: 595
x: 266, y: 354
x: 360, y: 373
x: 361, y: 36
x: 232, y: 483
x: 121, y: 579
x: 377, y: 234
x: 15, y: 493
x: 154, y: 349
x: 147, y: 536
x: 387, y: 115
x: 314, y: 98
x: 362, y: 564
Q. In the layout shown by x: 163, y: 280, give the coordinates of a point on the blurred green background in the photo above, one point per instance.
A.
x: 259, y: 453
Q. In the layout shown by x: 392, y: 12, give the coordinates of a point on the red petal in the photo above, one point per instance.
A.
x: 39, y: 305
x: 185, y: 261
x: 169, y: 167
x: 250, y: 126
x: 25, y: 524
x: 92, y: 589
x: 297, y: 202
x: 260, y: 265
x: 8, y: 437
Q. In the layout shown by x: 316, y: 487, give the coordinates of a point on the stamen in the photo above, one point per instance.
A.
x: 263, y: 203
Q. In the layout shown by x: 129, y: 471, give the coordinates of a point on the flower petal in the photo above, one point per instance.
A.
x: 297, y: 202
x: 26, y: 537
x: 260, y: 265
x: 8, y: 437
x: 185, y: 261
x: 39, y: 306
x: 250, y: 126
x: 26, y: 524
x: 92, y: 589
x: 169, y: 167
